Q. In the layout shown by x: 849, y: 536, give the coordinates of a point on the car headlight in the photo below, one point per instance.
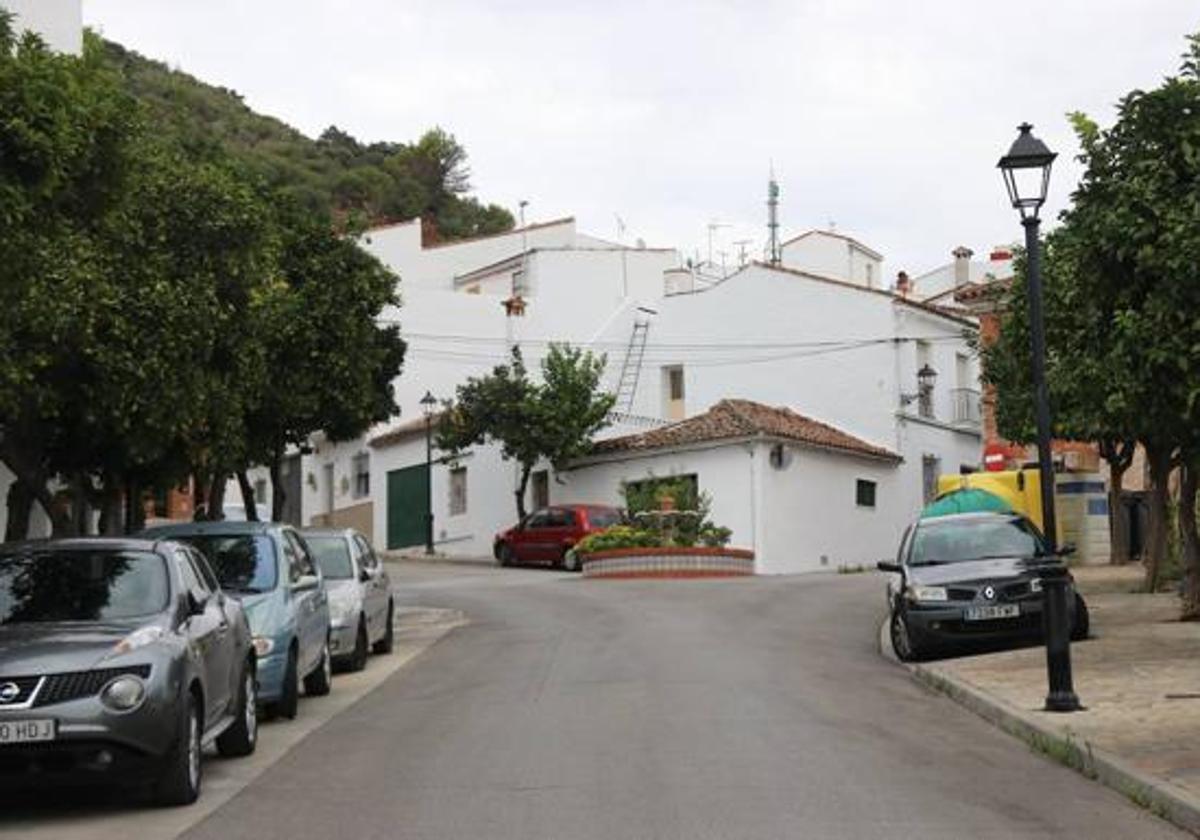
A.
x: 263, y: 646
x: 1035, y: 585
x: 341, y: 612
x: 928, y: 593
x: 139, y: 638
x: 123, y: 694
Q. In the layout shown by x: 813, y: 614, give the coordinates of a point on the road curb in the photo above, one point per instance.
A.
x: 1155, y: 795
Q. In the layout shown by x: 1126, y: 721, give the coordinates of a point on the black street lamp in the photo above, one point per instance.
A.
x: 1026, y: 170
x: 428, y: 404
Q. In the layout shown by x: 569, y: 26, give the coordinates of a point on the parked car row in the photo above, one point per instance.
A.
x: 121, y: 659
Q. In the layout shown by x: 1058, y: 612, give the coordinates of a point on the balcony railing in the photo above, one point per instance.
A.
x: 966, y: 405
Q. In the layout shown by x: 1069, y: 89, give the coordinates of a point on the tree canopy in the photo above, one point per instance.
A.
x: 363, y: 183
x: 1123, y: 297
x: 554, y: 419
x: 164, y: 312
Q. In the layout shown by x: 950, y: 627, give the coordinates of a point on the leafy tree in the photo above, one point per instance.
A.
x: 1126, y: 296
x: 554, y: 419
x: 334, y: 174
x: 331, y: 365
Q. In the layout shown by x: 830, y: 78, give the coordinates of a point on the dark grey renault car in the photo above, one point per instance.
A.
x: 119, y: 660
x: 972, y: 577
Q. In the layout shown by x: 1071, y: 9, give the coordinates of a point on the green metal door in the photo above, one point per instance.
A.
x: 407, y: 504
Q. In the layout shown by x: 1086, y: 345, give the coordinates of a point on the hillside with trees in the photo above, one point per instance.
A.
x: 359, y: 184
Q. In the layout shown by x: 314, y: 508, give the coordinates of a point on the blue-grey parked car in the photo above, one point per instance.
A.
x: 270, y: 569
x: 119, y: 660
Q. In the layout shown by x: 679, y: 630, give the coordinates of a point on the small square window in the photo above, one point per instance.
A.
x: 864, y: 493
x: 458, y: 491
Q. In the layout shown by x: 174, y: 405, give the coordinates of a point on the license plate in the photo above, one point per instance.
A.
x: 994, y: 611
x: 26, y: 731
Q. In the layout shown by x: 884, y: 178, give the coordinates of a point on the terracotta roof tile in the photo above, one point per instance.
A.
x: 731, y: 419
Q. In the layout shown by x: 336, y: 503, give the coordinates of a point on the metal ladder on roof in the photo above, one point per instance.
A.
x: 631, y: 369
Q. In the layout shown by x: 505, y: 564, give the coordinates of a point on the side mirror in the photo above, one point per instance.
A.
x: 1066, y: 549
x: 306, y: 583
x: 364, y: 574
x: 195, y: 606
x: 888, y: 566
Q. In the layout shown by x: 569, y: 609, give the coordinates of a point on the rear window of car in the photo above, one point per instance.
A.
x: 241, y: 562
x: 332, y: 555
x: 599, y: 518
x: 81, y: 585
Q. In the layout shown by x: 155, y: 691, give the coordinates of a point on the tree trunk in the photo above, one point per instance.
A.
x: 1188, y: 485
x: 216, y: 497
x: 20, y: 507
x: 248, y: 500
x: 199, y: 497
x: 278, y: 492
x: 1118, y: 523
x: 1119, y: 455
x: 135, y: 507
x: 28, y: 470
x: 112, y: 507
x: 526, y: 469
x: 1159, y: 458
x: 81, y: 506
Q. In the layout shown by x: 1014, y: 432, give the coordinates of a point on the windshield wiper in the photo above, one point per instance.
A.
x: 932, y: 563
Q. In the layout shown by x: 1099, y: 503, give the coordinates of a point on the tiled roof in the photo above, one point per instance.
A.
x: 730, y: 419
x: 404, y: 430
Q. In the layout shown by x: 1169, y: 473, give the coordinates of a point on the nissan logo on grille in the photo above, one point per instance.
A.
x: 9, y: 692
x: 989, y: 592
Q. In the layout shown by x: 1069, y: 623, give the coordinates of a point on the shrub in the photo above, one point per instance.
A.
x: 618, y: 536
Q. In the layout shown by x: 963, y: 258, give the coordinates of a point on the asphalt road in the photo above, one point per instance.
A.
x: 571, y: 709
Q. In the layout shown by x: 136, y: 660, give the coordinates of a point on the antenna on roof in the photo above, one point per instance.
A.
x: 773, y: 256
x: 620, y: 228
x: 713, y: 226
x: 741, y: 246
x: 521, y: 205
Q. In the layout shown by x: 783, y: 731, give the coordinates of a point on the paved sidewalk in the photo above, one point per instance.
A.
x: 1139, y: 679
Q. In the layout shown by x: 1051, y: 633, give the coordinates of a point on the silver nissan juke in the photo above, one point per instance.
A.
x: 119, y: 660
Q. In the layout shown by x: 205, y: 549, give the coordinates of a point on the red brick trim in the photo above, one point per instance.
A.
x: 674, y: 551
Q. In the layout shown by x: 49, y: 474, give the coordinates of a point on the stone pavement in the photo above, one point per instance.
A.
x: 1139, y: 679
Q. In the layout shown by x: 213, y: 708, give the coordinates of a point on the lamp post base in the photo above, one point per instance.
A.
x: 1062, y: 701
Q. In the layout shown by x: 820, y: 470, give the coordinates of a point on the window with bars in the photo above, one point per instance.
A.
x: 458, y: 491
x: 361, y: 469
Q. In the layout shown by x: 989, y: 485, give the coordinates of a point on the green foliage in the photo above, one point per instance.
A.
x: 618, y: 536
x: 334, y: 174
x: 162, y: 312
x: 1122, y: 296
x: 554, y: 419
x: 686, y: 524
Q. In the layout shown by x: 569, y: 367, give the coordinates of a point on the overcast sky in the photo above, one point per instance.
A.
x: 884, y: 118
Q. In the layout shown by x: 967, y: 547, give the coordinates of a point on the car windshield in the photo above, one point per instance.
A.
x: 604, y: 518
x: 241, y: 562
x: 960, y: 541
x: 81, y: 585
x: 332, y: 555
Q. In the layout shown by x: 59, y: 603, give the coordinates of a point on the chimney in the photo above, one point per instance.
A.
x: 962, y: 264
x: 903, y: 284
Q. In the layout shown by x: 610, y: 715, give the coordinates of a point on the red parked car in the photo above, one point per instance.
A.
x: 546, y: 535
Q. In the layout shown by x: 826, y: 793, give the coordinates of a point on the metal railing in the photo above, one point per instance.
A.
x: 967, y: 406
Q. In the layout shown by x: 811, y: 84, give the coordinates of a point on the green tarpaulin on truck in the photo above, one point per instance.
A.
x: 970, y: 500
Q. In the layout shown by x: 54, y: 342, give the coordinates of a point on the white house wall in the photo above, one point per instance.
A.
x: 399, y: 247
x: 725, y: 472
x: 832, y: 256
x: 814, y: 520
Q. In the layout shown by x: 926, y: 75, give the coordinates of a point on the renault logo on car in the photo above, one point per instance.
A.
x: 989, y: 592
x: 9, y: 692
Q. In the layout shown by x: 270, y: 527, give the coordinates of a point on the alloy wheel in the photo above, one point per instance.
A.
x: 251, y: 710
x: 193, y: 749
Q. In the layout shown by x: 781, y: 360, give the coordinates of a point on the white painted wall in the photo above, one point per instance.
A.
x: 399, y: 247
x: 58, y: 22
x: 832, y: 255
x: 813, y: 521
x: 725, y: 472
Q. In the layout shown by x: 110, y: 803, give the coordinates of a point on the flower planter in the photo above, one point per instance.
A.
x: 672, y: 562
